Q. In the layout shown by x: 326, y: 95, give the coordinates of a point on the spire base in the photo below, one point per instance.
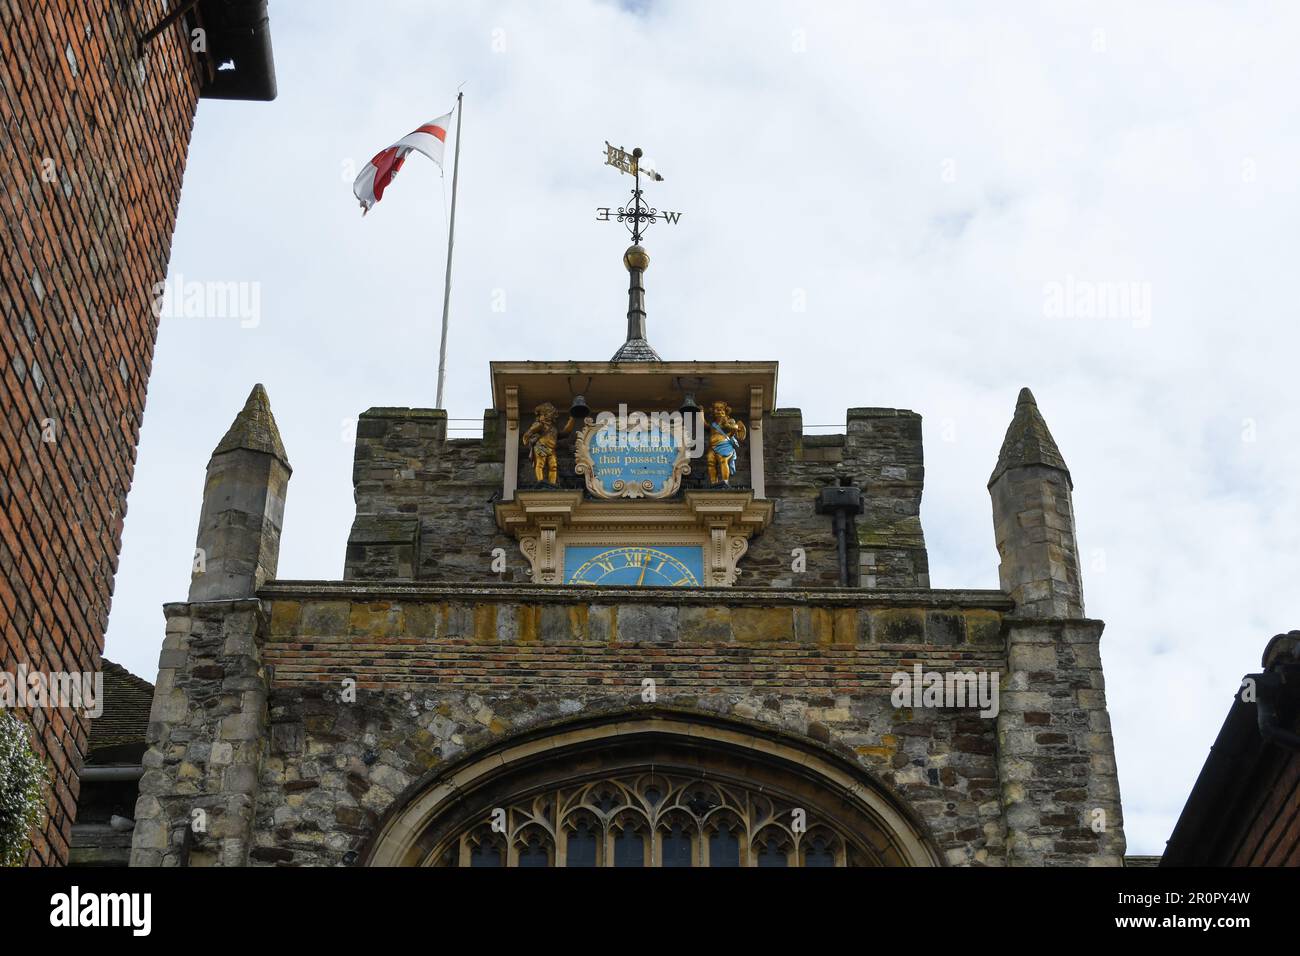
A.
x: 636, y: 350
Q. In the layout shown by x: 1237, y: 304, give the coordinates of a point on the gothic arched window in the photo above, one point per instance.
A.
x: 772, y: 848
x: 724, y: 844
x: 639, y: 819
x: 660, y: 795
x: 677, y: 846
x: 629, y: 846
x: 582, y: 844
x: 818, y: 850
x: 485, y: 850
x: 533, y: 849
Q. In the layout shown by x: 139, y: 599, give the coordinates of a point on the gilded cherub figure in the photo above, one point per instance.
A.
x: 725, y: 436
x: 541, y: 439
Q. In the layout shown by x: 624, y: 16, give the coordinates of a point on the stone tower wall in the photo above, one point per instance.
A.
x: 293, y: 724
x: 443, y: 673
x: 881, y: 452
x: 424, y: 502
x: 296, y: 724
x: 1033, y: 519
x: 1056, y: 756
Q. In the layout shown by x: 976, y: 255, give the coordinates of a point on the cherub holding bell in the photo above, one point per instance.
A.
x: 725, y: 436
x: 541, y: 438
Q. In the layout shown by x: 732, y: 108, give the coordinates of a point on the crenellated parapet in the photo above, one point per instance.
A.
x: 881, y: 453
x: 425, y: 501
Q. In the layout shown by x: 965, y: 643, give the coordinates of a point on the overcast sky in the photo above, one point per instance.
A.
x: 1095, y: 200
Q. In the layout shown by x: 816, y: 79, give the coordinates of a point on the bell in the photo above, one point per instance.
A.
x: 579, y: 411
x: 689, y: 405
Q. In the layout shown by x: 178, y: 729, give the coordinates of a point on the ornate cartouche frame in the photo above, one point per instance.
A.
x: 619, y: 489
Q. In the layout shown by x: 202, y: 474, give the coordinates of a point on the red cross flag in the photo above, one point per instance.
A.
x: 429, y: 139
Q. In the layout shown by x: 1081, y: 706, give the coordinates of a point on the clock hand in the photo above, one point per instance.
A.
x: 642, y: 577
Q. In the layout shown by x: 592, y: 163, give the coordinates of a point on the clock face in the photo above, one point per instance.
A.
x: 674, y: 566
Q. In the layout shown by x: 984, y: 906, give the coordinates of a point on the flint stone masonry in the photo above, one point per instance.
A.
x: 1056, y: 757
x: 206, y: 734
x: 370, y: 689
x: 440, y: 674
x: 424, y: 502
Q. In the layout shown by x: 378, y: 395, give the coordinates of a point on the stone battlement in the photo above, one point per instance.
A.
x: 424, y: 500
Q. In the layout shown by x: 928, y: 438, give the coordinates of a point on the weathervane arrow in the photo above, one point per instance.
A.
x: 636, y: 215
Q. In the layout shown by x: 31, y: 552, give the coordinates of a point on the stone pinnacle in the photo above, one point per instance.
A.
x: 1028, y: 441
x: 254, y: 429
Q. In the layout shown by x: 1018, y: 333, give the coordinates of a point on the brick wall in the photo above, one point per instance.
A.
x: 1270, y: 835
x: 93, y: 154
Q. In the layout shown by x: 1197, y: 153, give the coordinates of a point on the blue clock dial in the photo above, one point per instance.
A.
x: 637, y: 565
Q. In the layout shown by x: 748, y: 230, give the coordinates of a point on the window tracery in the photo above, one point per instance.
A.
x: 652, y: 818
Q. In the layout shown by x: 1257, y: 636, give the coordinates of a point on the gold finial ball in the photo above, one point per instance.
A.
x: 636, y: 258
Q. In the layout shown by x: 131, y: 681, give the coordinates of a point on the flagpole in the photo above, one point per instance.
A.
x: 451, y: 238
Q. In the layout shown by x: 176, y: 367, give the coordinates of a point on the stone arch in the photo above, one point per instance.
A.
x: 534, y: 770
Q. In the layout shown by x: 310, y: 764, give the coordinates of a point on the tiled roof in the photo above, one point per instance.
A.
x: 636, y: 350
x: 125, y: 718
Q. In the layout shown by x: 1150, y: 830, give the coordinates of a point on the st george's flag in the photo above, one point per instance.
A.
x: 430, y: 139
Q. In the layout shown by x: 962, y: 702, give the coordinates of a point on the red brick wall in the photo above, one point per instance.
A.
x: 1271, y: 835
x: 81, y: 256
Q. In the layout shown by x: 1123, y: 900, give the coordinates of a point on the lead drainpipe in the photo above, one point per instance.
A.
x: 841, y: 501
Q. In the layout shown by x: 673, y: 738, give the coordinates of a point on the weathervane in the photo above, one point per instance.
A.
x: 636, y: 215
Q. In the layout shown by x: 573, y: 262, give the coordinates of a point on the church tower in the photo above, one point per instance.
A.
x: 643, y: 621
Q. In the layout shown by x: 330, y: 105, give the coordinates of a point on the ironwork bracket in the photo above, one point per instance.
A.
x: 185, y: 7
